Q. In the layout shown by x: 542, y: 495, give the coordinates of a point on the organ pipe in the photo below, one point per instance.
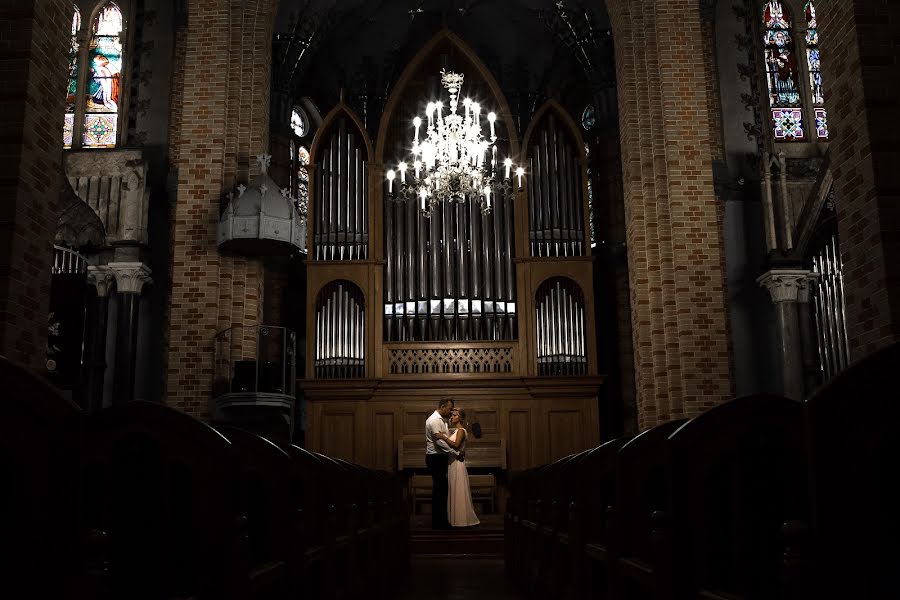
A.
x: 341, y: 197
x: 555, y: 193
x: 450, y: 277
x: 559, y: 319
x: 340, y: 332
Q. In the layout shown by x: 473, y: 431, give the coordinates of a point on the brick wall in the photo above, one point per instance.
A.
x: 861, y: 70
x: 678, y: 300
x: 34, y: 37
x: 219, y: 126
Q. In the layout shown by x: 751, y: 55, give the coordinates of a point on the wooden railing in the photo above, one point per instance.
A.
x: 469, y: 359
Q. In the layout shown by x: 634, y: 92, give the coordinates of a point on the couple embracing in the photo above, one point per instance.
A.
x: 445, y: 453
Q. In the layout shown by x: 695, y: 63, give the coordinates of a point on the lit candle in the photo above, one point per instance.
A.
x: 417, y: 165
x: 390, y: 178
x: 422, y: 194
x: 491, y: 118
x: 508, y: 164
x: 438, y: 108
x: 520, y: 171
x: 487, y: 194
x: 417, y: 121
x: 467, y: 103
x: 402, y: 167
x: 428, y: 111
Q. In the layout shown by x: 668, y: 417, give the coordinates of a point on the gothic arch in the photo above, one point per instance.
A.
x: 445, y: 36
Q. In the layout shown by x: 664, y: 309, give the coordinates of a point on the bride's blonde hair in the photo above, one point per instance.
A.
x: 462, y: 418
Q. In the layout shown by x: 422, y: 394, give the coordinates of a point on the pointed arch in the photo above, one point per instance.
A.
x: 104, y: 88
x: 445, y: 36
x: 556, y: 163
x: 339, y: 187
x: 814, y: 65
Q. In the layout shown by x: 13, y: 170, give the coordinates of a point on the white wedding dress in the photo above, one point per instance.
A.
x: 460, y: 510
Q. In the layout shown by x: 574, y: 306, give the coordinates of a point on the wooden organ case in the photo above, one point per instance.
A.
x: 494, y: 310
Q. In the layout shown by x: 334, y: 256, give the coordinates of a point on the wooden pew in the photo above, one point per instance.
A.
x: 736, y: 475
x: 629, y: 565
x: 317, y: 522
x: 161, y: 485
x: 270, y: 496
x: 854, y: 454
x: 593, y: 488
x: 39, y: 454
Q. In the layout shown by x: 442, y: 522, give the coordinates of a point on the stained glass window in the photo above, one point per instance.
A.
x: 299, y: 122
x: 815, y: 70
x: 103, y: 91
x: 72, y: 84
x: 588, y: 117
x: 781, y: 73
x: 590, y: 195
x: 302, y: 180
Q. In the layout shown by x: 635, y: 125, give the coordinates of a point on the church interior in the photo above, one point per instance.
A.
x: 650, y: 247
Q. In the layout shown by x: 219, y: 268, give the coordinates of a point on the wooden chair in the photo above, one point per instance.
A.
x: 736, y: 475
x: 854, y: 452
x: 39, y: 454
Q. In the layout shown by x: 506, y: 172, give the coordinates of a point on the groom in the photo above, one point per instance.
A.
x: 437, y: 457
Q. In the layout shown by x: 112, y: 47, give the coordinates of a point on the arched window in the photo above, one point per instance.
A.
x: 302, y: 195
x: 103, y: 91
x: 72, y: 83
x: 781, y: 73
x: 815, y: 71
x: 95, y: 87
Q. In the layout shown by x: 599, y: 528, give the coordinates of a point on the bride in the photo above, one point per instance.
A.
x: 460, y: 510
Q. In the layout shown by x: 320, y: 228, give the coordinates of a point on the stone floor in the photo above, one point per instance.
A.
x: 456, y: 578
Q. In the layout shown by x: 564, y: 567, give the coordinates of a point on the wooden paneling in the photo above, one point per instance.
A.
x: 414, y: 420
x: 519, y: 440
x: 565, y: 432
x: 338, y: 433
x: 384, y: 441
x: 488, y: 418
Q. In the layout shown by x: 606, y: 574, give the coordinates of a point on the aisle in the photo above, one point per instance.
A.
x: 458, y: 578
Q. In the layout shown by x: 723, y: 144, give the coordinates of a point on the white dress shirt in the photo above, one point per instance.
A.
x: 433, y: 425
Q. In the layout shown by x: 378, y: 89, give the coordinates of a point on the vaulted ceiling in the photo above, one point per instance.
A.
x: 534, y: 48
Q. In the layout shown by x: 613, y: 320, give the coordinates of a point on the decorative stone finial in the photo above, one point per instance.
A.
x: 264, y: 161
x: 241, y: 189
x: 263, y: 189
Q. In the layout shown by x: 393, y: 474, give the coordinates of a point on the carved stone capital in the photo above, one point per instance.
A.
x: 130, y: 276
x: 787, y: 285
x: 102, y: 278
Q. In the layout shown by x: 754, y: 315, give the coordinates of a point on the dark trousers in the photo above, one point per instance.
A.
x: 437, y: 466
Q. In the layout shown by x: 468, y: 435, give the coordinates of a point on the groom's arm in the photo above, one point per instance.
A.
x: 439, y: 442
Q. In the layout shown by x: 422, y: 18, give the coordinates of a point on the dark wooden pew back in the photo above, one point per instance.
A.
x: 854, y: 456
x: 39, y: 453
x: 163, y: 486
x: 737, y: 475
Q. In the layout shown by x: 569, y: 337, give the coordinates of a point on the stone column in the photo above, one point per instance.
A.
x: 102, y: 279
x: 807, y: 334
x: 130, y: 280
x: 785, y: 287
